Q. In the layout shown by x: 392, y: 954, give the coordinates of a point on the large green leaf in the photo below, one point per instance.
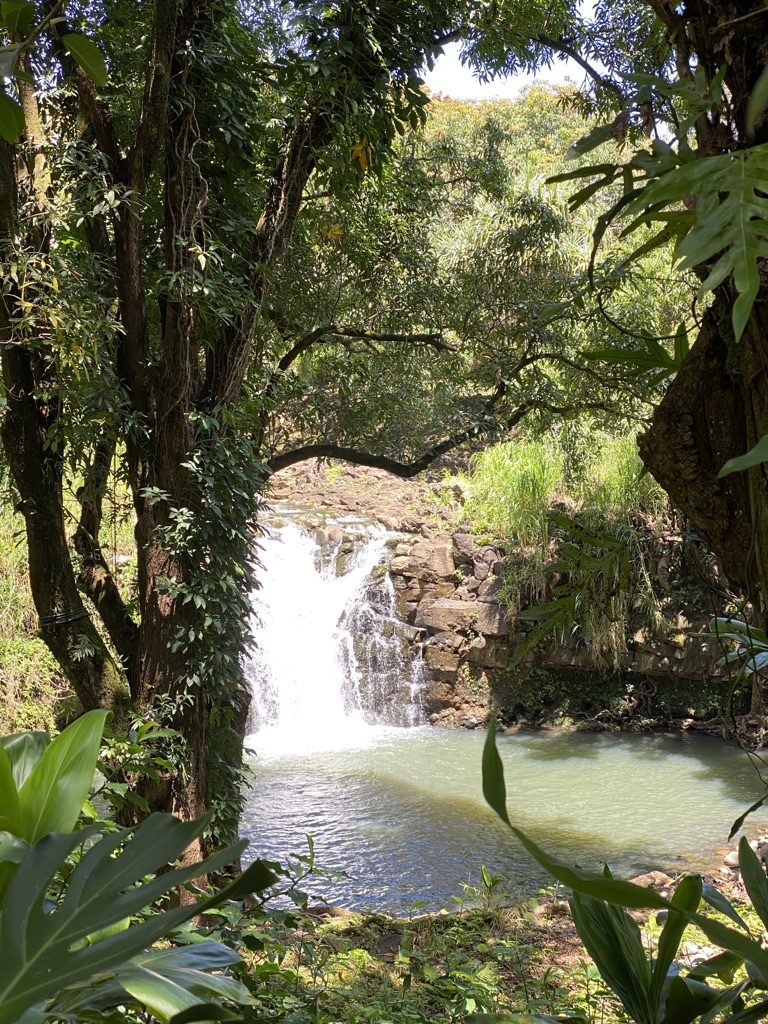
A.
x: 688, y: 1000
x: 42, y: 950
x: 730, y: 227
x: 754, y: 878
x: 11, y: 118
x: 614, y: 891
x: 687, y: 897
x: 24, y: 750
x: 163, y: 982
x: 10, y: 812
x: 17, y: 15
x: 612, y: 939
x: 54, y: 792
x: 87, y: 54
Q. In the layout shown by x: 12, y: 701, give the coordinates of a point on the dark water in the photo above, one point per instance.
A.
x: 401, y: 810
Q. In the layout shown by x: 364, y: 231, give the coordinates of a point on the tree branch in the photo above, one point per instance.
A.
x: 407, y: 470
x: 562, y: 46
x: 94, y: 578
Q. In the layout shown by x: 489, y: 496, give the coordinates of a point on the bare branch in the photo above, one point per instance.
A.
x: 563, y: 46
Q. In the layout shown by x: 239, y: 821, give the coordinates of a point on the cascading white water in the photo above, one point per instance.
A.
x: 332, y: 666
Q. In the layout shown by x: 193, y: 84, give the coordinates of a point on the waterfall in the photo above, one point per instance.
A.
x: 333, y: 665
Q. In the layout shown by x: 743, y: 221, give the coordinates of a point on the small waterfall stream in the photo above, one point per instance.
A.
x: 333, y: 665
x: 400, y: 810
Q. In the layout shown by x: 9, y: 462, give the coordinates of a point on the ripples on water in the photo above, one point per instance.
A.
x: 405, y: 818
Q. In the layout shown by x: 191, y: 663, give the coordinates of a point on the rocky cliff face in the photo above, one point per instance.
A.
x: 451, y: 591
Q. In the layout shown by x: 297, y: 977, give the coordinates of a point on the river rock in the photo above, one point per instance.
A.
x: 428, y: 560
x: 447, y: 615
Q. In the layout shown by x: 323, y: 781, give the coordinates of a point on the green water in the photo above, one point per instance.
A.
x: 401, y: 810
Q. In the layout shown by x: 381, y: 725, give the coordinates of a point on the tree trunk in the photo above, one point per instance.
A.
x: 714, y: 410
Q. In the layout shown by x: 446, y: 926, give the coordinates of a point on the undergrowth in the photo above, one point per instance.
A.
x: 579, y: 522
x: 33, y: 692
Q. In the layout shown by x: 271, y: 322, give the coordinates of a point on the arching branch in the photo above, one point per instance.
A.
x: 407, y: 470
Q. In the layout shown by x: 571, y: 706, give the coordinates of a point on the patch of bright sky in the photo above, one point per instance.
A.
x: 451, y: 78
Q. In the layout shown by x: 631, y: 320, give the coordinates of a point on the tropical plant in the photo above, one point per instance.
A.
x: 654, y: 990
x: 78, y: 905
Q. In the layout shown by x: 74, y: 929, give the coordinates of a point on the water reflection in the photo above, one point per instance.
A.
x: 405, y: 818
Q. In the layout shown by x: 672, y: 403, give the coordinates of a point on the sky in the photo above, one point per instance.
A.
x: 451, y: 79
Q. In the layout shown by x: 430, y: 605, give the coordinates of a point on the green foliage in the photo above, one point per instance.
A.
x: 656, y: 992
x: 513, y: 486
x: 68, y: 897
x: 614, y: 486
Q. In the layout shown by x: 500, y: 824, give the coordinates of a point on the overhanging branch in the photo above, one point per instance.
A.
x: 407, y: 470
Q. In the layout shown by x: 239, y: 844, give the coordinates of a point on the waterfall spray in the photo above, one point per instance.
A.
x: 333, y: 664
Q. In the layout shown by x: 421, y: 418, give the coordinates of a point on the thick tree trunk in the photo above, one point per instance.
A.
x: 698, y: 426
x: 715, y: 409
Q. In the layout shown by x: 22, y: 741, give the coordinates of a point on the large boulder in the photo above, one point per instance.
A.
x: 428, y: 560
x: 446, y: 615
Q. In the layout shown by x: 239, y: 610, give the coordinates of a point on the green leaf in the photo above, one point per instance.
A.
x: 752, y: 458
x: 17, y: 15
x: 754, y: 879
x: 12, y: 849
x: 722, y: 965
x: 750, y: 810
x: 602, y: 133
x: 494, y: 787
x: 11, y: 118
x: 731, y: 220
x: 687, y: 897
x: 615, y: 891
x: 612, y: 939
x: 55, y: 790
x: 166, y: 983
x: 88, y: 56
x: 722, y: 905
x: 757, y: 103
x: 10, y: 811
x: 689, y: 999
x: 24, y: 750
x: 42, y: 950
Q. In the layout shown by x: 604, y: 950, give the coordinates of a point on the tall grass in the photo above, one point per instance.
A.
x: 614, y: 486
x: 31, y: 687
x: 513, y: 486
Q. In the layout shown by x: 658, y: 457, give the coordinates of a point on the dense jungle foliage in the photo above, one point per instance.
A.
x: 233, y: 238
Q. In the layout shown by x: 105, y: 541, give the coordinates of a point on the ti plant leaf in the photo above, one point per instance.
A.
x: 613, y: 891
x: 43, y: 949
x: 752, y: 458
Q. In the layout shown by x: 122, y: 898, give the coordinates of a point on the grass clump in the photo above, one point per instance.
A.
x: 513, y: 486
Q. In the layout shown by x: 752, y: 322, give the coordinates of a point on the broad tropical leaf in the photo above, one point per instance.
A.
x: 165, y: 982
x: 54, y: 791
x: 43, y: 951
x: 730, y: 228
x: 752, y: 458
x: 612, y: 939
